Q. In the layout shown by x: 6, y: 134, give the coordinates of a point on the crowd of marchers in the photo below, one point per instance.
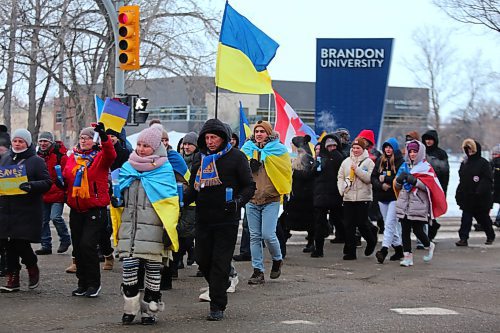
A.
x: 154, y: 205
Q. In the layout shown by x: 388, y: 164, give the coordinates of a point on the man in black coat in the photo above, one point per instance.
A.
x: 438, y: 158
x: 474, y: 192
x: 21, y: 214
x: 220, y: 168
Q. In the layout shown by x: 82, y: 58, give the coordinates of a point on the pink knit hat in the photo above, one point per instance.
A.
x: 151, y: 136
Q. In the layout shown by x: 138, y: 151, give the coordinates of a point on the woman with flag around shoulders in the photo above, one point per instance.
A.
x: 272, y: 172
x: 146, y: 231
x: 420, y: 199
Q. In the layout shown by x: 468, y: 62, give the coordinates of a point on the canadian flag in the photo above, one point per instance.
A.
x: 288, y: 124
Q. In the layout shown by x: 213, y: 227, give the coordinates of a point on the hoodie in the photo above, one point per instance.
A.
x: 387, y: 171
x: 438, y: 158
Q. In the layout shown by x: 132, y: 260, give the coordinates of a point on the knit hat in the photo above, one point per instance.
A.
x: 413, y: 145
x: 191, y: 138
x: 22, y: 133
x: 164, y: 134
x: 330, y: 142
x: 265, y: 125
x: 47, y: 136
x: 88, y: 131
x: 363, y: 143
x: 151, y: 136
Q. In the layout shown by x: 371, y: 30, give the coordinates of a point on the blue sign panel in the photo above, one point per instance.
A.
x: 351, y: 83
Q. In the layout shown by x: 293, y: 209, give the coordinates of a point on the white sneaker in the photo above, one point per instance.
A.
x: 234, y: 282
x: 429, y: 255
x: 407, y: 260
x: 204, y: 297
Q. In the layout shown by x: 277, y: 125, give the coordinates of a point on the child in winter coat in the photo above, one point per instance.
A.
x: 417, y: 182
x: 151, y: 207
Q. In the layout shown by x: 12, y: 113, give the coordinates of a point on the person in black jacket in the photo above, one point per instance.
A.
x: 474, y: 192
x: 383, y: 175
x: 327, y: 199
x: 21, y: 214
x: 298, y: 209
x: 221, y: 167
x: 438, y: 159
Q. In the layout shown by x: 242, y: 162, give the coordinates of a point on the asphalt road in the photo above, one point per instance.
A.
x: 313, y: 295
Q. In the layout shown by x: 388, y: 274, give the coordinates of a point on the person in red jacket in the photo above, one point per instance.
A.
x: 86, y: 178
x: 53, y: 153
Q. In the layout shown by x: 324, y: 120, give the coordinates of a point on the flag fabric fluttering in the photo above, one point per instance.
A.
x: 245, y: 131
x: 114, y: 114
x: 243, y: 54
x: 99, y: 105
x: 288, y: 123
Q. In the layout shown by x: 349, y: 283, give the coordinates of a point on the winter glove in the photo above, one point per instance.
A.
x: 254, y: 165
x: 232, y: 206
x: 59, y: 184
x: 411, y: 180
x: 115, y: 202
x: 99, y: 128
x: 26, y: 187
x: 402, y: 178
x: 386, y: 187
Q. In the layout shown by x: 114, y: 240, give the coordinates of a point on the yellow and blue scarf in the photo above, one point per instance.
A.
x: 161, y: 189
x: 276, y: 161
x: 207, y: 174
x: 80, y: 171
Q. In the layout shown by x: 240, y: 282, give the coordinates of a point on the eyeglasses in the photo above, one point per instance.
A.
x: 85, y: 138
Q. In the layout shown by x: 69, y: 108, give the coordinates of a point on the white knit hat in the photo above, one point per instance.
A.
x: 22, y: 133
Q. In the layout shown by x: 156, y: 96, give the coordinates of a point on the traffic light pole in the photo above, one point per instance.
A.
x: 119, y: 73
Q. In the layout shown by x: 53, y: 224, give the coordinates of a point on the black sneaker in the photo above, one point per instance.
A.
x: 316, y: 254
x: 93, y: 292
x: 380, y: 255
x: 216, y: 315
x: 489, y: 241
x: 257, y: 277
x: 80, y: 291
x: 242, y: 257
x: 43, y: 251
x: 462, y: 242
x: 276, y: 269
x: 63, y: 248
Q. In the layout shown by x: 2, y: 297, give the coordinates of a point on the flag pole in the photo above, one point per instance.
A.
x: 216, y: 100
x: 269, y: 108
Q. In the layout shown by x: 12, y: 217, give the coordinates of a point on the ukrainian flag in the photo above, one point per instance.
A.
x: 276, y: 161
x: 245, y: 131
x: 114, y: 114
x: 178, y: 164
x: 161, y: 189
x: 243, y: 55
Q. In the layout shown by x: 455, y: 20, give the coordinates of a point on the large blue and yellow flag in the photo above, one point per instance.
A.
x: 243, y: 55
x: 276, y: 160
x: 245, y: 131
x: 161, y: 189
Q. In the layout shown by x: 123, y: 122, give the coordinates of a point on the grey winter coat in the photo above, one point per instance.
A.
x: 141, y: 230
x: 413, y: 205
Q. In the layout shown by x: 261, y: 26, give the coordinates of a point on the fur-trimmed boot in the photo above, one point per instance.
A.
x: 151, y: 305
x: 132, y: 303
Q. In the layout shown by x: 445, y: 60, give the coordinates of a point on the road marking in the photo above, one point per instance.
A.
x: 424, y: 311
x: 298, y: 322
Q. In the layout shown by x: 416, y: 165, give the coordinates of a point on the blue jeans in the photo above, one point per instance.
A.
x: 262, y: 221
x: 53, y: 211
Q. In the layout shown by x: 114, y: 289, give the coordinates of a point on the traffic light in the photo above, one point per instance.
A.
x: 128, y: 23
x: 139, y: 109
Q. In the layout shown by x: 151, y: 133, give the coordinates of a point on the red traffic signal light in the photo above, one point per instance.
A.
x: 129, y: 40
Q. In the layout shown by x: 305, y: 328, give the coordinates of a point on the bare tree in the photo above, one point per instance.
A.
x: 478, y: 12
x: 435, y: 67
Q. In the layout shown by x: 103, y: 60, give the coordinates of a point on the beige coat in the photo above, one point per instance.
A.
x: 359, y: 189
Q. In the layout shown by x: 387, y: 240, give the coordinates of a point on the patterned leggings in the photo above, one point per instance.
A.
x: 131, y: 269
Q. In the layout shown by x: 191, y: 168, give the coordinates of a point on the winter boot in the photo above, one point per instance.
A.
x: 108, y: 262
x: 151, y: 305
x: 309, y: 247
x: 12, y: 283
x: 276, y: 269
x: 381, y: 254
x: 131, y: 307
x: 72, y: 267
x: 34, y: 276
x: 398, y: 255
x: 407, y: 260
x: 257, y: 277
x: 429, y: 255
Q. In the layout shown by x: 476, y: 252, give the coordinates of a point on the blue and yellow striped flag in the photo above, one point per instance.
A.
x: 245, y: 131
x: 114, y: 114
x: 243, y: 55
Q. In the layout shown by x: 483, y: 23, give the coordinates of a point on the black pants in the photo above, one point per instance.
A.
x: 356, y: 216
x: 418, y: 230
x: 214, y: 252
x: 105, y: 237
x: 86, y: 229
x: 482, y: 217
x: 245, y: 238
x: 19, y: 248
x: 185, y: 243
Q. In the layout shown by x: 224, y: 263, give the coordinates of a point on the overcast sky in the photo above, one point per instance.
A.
x: 295, y: 25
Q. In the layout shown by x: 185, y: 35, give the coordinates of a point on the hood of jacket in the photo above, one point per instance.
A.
x: 214, y: 126
x: 431, y: 134
x: 393, y: 142
x: 474, y: 147
x: 420, y: 154
x: 322, y: 147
